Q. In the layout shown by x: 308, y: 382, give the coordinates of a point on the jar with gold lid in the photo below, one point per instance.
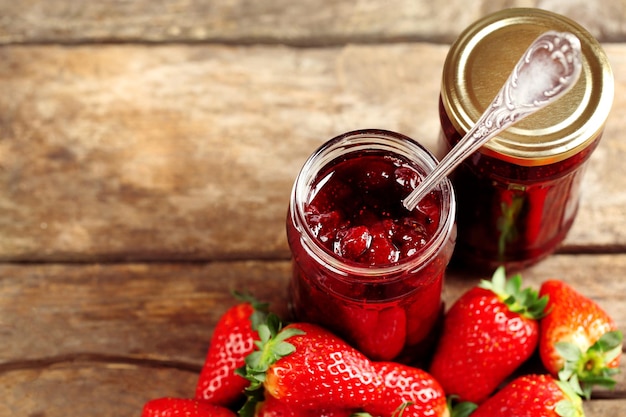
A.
x: 518, y: 196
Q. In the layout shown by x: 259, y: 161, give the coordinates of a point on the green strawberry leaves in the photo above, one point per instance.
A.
x: 571, y: 405
x: 584, y: 370
x: 524, y: 301
x: 271, y: 346
x: 260, y: 313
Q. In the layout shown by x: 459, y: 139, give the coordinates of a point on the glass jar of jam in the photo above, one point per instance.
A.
x: 518, y: 195
x: 363, y: 265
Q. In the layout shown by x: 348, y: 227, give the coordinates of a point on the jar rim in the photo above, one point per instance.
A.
x: 370, y: 140
x: 481, y: 59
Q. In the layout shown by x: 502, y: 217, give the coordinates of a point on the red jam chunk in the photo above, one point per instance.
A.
x: 355, y: 211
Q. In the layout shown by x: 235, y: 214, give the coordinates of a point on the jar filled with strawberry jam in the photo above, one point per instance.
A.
x: 363, y: 265
x: 518, y: 195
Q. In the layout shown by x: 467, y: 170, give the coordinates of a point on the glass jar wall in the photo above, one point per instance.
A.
x: 363, y: 265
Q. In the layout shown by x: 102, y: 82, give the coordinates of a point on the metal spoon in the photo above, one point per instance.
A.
x: 547, y: 70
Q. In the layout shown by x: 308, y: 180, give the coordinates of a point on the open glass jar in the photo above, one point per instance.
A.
x: 518, y: 195
x: 363, y: 265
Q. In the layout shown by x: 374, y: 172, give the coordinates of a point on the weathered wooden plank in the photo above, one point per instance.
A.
x: 189, y: 152
x: 141, y: 311
x: 278, y: 21
x: 177, y: 151
x: 604, y: 408
x: 103, y: 339
x: 89, y: 389
x: 167, y: 311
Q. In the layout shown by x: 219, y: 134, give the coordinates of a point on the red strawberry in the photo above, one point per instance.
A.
x: 272, y: 407
x: 232, y: 340
x: 409, y: 389
x: 381, y: 251
x: 309, y: 367
x: 183, y: 407
x: 532, y: 396
x: 488, y: 333
x: 579, y: 341
x: 352, y: 242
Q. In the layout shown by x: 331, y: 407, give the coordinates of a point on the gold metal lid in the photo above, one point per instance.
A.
x: 482, y: 58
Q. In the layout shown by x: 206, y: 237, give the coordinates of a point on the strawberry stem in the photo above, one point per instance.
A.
x: 524, y: 301
x: 271, y: 346
x: 585, y: 370
x: 260, y: 308
x: 398, y: 412
x: 571, y: 405
x: 460, y: 409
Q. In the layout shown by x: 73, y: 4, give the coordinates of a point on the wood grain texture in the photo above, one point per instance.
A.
x: 167, y: 311
x: 279, y: 21
x: 143, y: 311
x: 87, y: 338
x: 147, y: 152
x: 89, y: 389
x: 189, y: 152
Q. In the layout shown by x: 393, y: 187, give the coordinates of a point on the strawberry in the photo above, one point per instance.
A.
x: 532, y: 396
x: 488, y: 333
x: 232, y: 340
x: 579, y: 341
x: 272, y: 407
x: 409, y: 389
x: 308, y: 367
x: 183, y: 407
x: 353, y: 242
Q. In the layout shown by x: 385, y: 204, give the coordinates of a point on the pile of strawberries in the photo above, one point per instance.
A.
x: 261, y: 368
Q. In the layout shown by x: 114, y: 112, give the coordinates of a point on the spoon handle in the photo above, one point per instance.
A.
x: 547, y: 70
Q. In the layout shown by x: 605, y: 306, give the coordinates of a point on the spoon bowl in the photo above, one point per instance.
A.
x: 549, y: 68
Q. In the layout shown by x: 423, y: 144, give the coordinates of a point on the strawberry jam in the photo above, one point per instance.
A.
x: 513, y: 215
x: 518, y: 195
x: 364, y: 266
x: 357, y: 211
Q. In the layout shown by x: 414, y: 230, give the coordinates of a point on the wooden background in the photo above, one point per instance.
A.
x: 147, y: 151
